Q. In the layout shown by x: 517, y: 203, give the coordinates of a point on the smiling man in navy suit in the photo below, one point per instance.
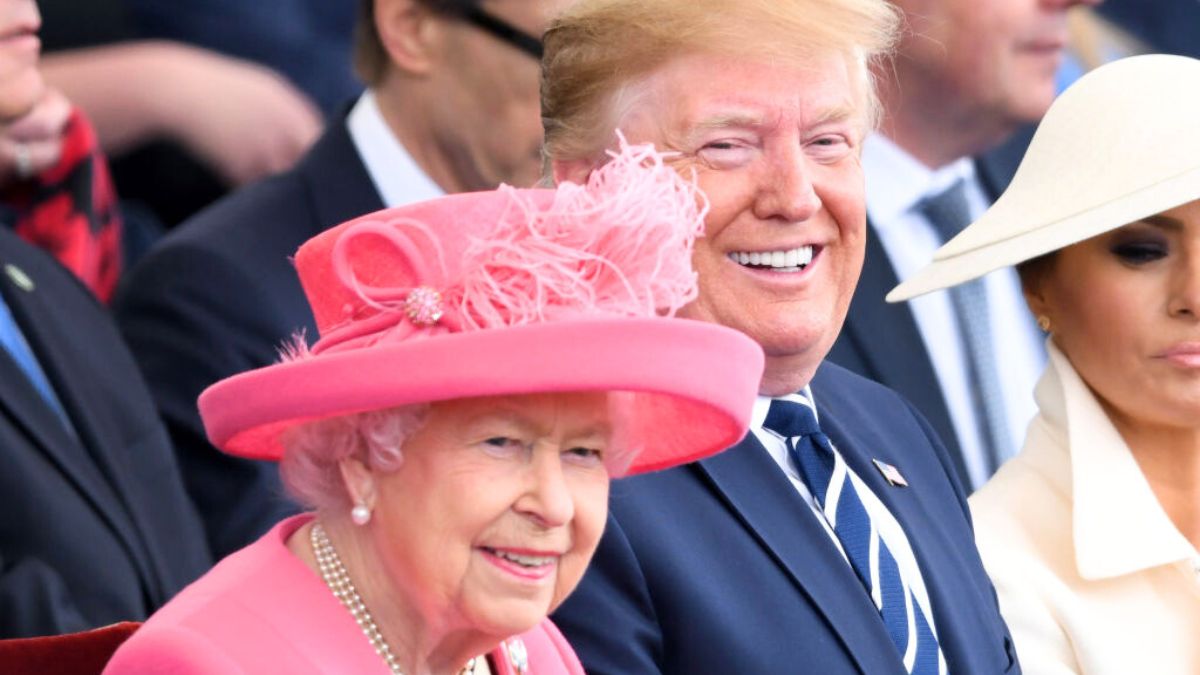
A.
x: 835, y: 537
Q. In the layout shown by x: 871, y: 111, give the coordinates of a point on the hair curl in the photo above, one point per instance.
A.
x: 314, y: 451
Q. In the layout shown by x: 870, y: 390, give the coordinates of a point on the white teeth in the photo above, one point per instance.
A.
x: 524, y: 560
x: 792, y: 260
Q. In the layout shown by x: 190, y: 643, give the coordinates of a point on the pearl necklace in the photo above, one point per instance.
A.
x: 338, y: 580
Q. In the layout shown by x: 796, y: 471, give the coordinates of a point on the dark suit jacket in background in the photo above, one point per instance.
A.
x: 881, y: 341
x: 218, y: 297
x: 95, y: 526
x: 1171, y: 26
x: 721, y: 567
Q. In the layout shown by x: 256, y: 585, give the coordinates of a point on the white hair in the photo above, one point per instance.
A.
x: 313, y: 451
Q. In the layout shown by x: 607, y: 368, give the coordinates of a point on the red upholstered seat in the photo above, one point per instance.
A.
x: 71, y: 654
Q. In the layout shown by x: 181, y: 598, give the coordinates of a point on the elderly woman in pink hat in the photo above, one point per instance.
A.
x: 486, y: 363
x: 1092, y: 533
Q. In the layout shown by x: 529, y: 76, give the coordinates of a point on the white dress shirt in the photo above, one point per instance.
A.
x: 896, y: 184
x: 396, y: 176
x: 889, y: 528
x: 1092, y: 574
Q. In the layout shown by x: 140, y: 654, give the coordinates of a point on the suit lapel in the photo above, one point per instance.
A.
x: 74, y: 455
x: 898, y: 358
x: 768, y: 505
x: 28, y: 410
x: 936, y: 536
x: 337, y: 180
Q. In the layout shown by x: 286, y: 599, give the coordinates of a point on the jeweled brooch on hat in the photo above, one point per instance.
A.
x: 424, y: 306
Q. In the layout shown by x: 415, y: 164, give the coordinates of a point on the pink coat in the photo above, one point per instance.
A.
x: 261, y: 610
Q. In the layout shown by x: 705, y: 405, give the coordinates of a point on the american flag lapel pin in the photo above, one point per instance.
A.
x: 890, y: 473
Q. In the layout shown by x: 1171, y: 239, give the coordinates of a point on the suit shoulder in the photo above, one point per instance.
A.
x: 244, y: 240
x: 834, y: 381
x: 864, y: 407
x: 248, y: 218
x: 655, y: 485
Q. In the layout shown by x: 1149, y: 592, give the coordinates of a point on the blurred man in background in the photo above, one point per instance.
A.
x: 967, y: 74
x: 95, y: 525
x: 451, y: 106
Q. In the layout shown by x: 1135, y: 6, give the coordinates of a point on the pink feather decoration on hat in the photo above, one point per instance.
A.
x: 621, y: 244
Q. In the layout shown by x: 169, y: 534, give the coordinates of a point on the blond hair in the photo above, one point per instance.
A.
x: 596, y: 49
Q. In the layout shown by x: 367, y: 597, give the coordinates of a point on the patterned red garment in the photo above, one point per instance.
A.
x: 70, y: 210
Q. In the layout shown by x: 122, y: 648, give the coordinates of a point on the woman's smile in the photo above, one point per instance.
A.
x: 524, y: 564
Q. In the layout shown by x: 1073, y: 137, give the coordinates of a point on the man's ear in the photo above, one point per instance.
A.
x: 409, y: 32
x: 573, y: 170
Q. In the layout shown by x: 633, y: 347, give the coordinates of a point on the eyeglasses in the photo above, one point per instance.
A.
x: 473, y: 14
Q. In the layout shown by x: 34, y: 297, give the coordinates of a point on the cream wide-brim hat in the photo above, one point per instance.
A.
x: 1119, y: 145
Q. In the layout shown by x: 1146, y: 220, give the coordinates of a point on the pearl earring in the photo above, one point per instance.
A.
x: 360, y: 514
x: 1043, y: 322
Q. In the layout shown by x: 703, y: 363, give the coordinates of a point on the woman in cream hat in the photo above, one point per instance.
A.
x: 1091, y: 533
x: 486, y: 363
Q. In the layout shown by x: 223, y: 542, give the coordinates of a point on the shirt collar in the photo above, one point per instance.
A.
x: 762, y: 405
x: 1119, y: 525
x: 898, y: 180
x: 394, y: 172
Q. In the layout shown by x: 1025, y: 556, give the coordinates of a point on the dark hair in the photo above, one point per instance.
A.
x: 1031, y: 271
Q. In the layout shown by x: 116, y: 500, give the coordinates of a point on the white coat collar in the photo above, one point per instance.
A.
x: 1119, y: 526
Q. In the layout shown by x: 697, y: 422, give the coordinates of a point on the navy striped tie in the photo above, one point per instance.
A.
x: 824, y: 472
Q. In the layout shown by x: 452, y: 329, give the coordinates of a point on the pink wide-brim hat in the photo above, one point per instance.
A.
x: 511, y: 292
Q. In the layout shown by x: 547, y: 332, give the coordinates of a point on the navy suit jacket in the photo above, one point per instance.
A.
x: 721, y: 567
x: 881, y: 341
x: 219, y: 296
x: 95, y: 526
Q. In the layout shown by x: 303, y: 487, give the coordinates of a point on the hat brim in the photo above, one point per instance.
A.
x: 1003, y: 251
x: 694, y: 382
